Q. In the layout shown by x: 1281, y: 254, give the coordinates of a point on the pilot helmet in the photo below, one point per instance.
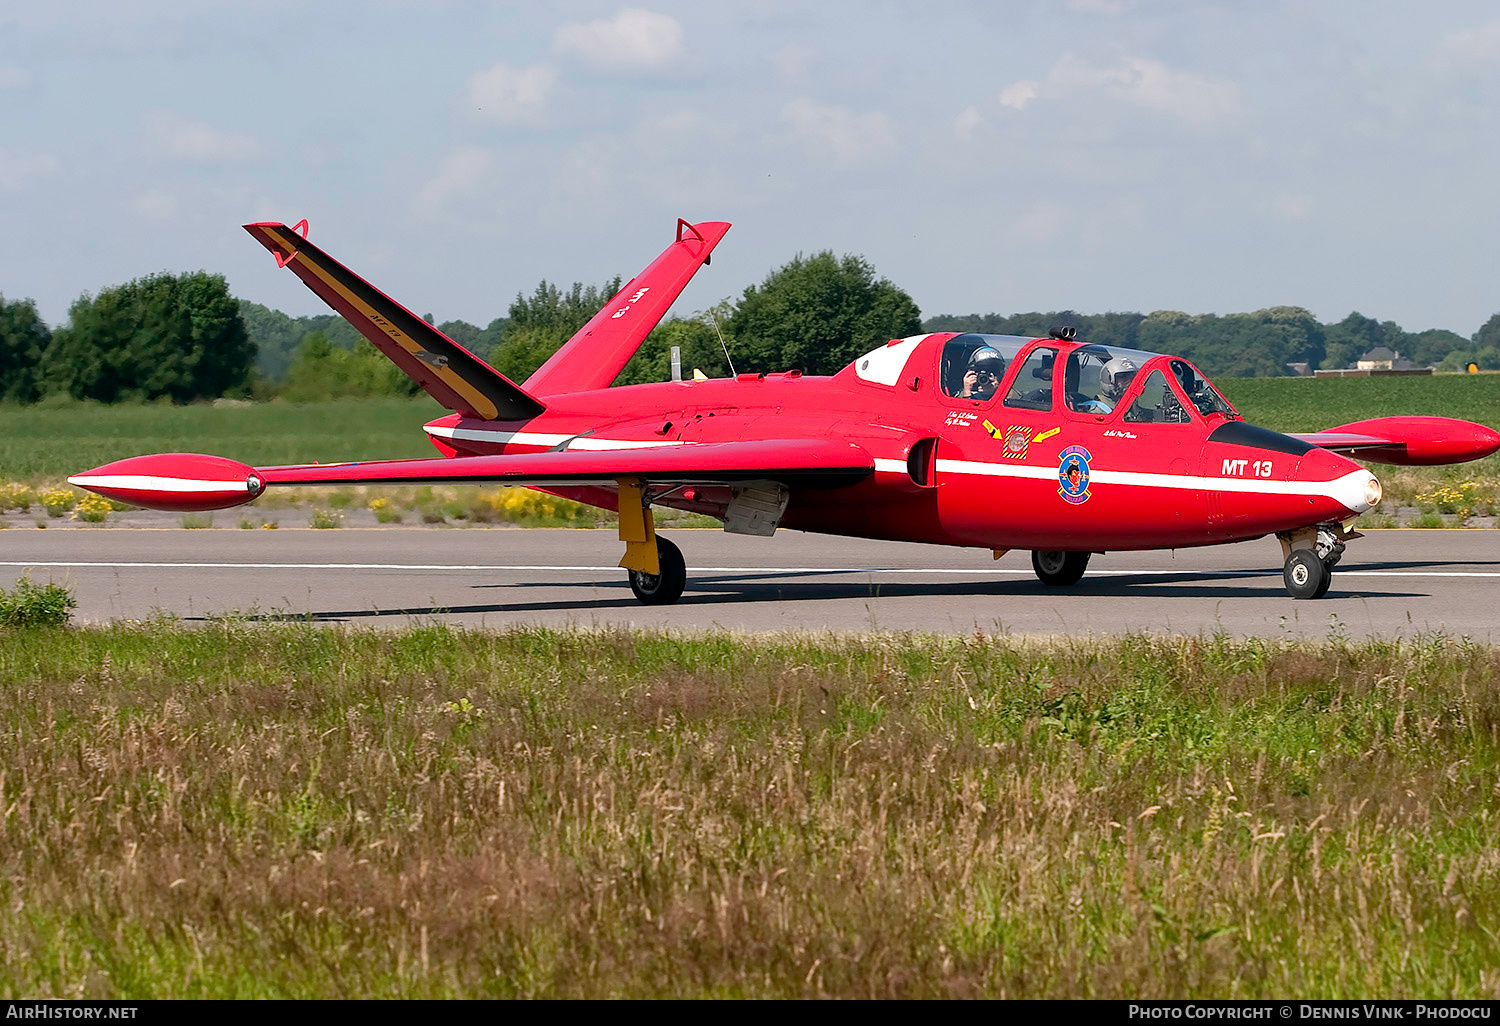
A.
x: 1120, y: 366
x: 987, y: 360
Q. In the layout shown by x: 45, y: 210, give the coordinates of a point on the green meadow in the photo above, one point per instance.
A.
x: 283, y: 810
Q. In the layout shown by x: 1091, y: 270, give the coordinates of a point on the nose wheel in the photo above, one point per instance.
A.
x: 1311, y: 555
x: 666, y: 587
x: 1059, y: 569
x: 1306, y: 575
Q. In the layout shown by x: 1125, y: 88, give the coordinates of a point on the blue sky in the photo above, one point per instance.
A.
x: 1004, y: 156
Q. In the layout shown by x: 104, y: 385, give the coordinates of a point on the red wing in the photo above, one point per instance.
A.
x: 188, y: 481
x: 446, y: 370
x: 596, y: 354
x: 1409, y: 441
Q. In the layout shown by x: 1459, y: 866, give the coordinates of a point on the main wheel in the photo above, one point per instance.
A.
x: 1306, y: 575
x: 1059, y: 569
x: 666, y: 587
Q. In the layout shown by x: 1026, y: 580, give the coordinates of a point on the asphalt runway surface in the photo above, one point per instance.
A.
x: 1390, y: 583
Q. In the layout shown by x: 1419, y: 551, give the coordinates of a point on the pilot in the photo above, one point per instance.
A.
x: 986, y: 368
x: 1077, y: 400
x: 1116, y: 376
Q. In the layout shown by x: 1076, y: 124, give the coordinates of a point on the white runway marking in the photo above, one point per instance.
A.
x: 749, y: 570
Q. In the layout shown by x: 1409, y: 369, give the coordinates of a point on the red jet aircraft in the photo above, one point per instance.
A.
x: 998, y: 442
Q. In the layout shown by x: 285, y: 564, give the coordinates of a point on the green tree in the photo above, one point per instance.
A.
x: 538, y: 324
x: 23, y: 340
x: 1433, y: 346
x: 694, y: 336
x: 818, y: 313
x: 1489, y: 333
x: 179, y: 337
x: 322, y: 370
x: 164, y: 336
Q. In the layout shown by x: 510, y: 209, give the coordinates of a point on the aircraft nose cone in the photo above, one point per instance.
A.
x: 176, y: 481
x: 1339, y: 487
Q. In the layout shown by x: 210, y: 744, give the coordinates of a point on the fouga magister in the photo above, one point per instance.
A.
x: 998, y: 442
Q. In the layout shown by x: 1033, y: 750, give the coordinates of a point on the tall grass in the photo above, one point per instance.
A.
x: 280, y: 810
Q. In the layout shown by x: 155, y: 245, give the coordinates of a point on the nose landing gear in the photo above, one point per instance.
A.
x: 1311, y: 555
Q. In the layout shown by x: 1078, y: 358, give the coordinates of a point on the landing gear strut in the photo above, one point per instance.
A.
x: 1059, y: 569
x: 664, y: 588
x: 1311, y: 554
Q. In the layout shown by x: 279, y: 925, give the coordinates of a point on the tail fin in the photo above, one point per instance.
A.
x: 600, y: 349
x: 446, y: 370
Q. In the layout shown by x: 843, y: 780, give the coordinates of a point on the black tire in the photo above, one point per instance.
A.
x: 1059, y: 569
x: 1305, y: 575
x: 666, y: 587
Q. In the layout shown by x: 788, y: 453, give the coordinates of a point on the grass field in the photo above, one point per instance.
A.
x: 42, y: 445
x: 249, y: 810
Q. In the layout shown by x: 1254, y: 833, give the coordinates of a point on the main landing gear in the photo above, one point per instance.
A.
x: 1311, y: 555
x: 664, y: 588
x: 657, y: 571
x: 1059, y: 569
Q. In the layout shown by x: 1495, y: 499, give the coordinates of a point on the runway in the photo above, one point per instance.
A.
x: 1396, y: 582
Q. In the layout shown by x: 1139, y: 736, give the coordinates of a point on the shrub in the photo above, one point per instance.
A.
x: 57, y: 501
x: 14, y: 495
x: 93, y: 509
x: 195, y: 522
x: 36, y: 605
x: 323, y: 519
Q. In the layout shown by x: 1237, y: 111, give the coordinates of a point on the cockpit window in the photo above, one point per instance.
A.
x: 1097, y: 377
x: 1199, y: 391
x: 1156, y: 404
x: 974, y: 365
x: 1032, y: 387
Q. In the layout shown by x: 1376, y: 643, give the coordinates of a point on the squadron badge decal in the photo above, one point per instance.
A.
x: 1073, y: 474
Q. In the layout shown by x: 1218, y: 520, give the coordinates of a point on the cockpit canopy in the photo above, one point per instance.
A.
x: 1094, y: 379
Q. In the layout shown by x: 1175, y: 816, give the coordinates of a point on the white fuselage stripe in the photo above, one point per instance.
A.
x: 1145, y: 480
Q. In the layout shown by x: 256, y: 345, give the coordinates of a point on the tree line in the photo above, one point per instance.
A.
x: 184, y: 337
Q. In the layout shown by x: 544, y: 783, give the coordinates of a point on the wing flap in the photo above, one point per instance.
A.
x: 446, y: 370
x: 1409, y: 441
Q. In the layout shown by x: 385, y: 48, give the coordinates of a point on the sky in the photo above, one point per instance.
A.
x: 1000, y: 156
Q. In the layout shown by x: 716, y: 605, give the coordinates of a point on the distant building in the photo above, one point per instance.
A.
x: 1381, y: 358
x: 1299, y: 370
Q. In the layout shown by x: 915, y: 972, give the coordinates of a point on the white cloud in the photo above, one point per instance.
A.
x: 12, y: 77
x: 1482, y: 41
x: 966, y: 122
x: 199, y: 143
x: 633, y: 40
x: 462, y: 171
x: 1018, y: 94
x: 847, y: 134
x: 507, y: 94
x: 1139, y: 81
x: 792, y: 62
x: 17, y: 172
